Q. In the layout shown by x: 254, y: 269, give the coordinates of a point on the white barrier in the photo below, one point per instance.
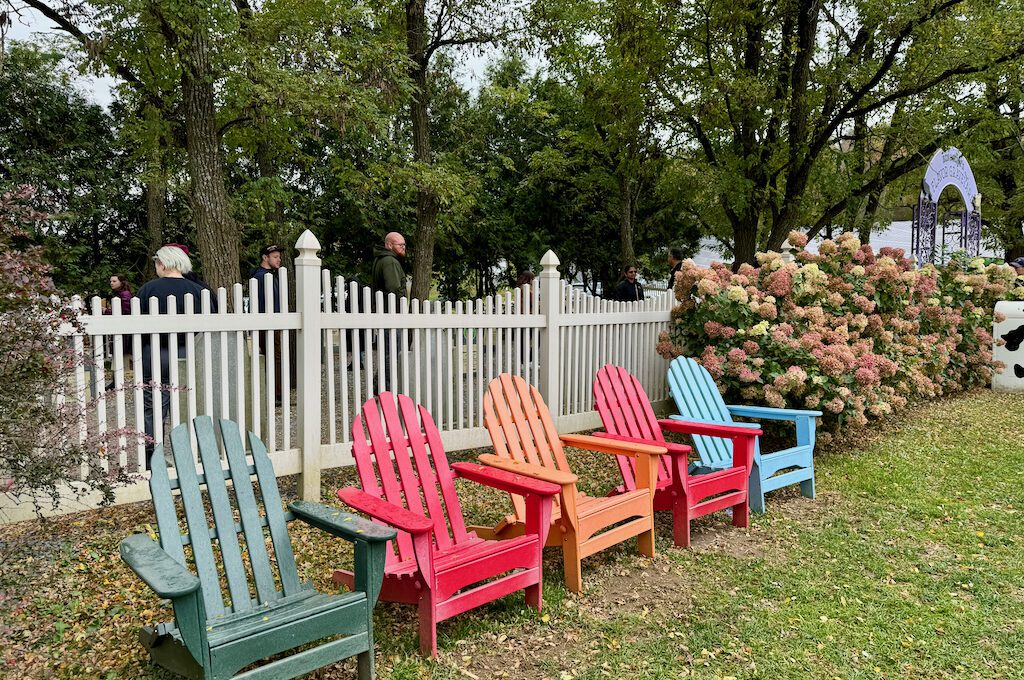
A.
x: 345, y: 346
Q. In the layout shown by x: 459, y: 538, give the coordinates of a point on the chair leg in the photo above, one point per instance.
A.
x: 364, y: 664
x: 645, y: 541
x: 741, y: 513
x: 807, y: 487
x: 533, y: 593
x: 428, y: 625
x: 756, y: 496
x: 571, y: 563
x: 680, y: 523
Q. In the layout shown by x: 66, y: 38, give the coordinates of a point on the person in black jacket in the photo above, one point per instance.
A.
x: 675, y: 260
x: 172, y: 264
x: 629, y: 289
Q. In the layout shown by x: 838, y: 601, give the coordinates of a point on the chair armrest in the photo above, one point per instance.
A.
x: 613, y: 447
x: 505, y: 481
x: 386, y: 512
x: 698, y: 421
x: 341, y: 524
x: 671, y: 448
x: 528, y: 470
x: 726, y: 430
x: 770, y: 413
x: 168, y: 579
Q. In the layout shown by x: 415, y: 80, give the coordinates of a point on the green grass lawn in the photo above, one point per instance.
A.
x: 909, y: 564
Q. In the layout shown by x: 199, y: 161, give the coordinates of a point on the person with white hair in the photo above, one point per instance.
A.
x: 172, y: 263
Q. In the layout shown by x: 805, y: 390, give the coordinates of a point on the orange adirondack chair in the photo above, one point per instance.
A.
x: 435, y: 562
x: 526, y: 442
x: 627, y: 416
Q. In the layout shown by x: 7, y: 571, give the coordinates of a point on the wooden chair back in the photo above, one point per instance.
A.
x: 251, y: 577
x: 625, y: 410
x: 521, y: 428
x: 696, y: 396
x: 399, y: 458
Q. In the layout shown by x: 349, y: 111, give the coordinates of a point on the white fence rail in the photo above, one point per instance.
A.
x: 345, y: 346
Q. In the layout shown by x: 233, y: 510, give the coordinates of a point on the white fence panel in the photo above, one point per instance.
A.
x: 347, y: 345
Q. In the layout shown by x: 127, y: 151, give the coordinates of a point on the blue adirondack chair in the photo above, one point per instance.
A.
x: 698, y: 400
x: 267, y: 611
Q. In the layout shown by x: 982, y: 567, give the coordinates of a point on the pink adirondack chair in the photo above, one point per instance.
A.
x: 434, y: 561
x: 626, y: 415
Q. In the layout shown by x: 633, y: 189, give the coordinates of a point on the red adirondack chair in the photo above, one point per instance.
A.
x: 434, y: 560
x: 626, y: 415
x: 526, y: 442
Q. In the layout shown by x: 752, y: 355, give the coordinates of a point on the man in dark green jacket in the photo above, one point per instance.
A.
x: 388, y: 275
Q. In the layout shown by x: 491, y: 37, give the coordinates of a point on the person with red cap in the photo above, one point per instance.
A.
x: 191, y: 275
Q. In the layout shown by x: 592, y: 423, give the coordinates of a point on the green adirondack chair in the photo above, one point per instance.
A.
x: 267, y: 611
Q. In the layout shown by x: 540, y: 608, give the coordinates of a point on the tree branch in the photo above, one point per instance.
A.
x: 65, y: 24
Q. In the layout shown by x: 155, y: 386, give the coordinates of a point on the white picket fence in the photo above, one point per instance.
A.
x: 345, y: 344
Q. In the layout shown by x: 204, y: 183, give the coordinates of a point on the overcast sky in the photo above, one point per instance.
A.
x: 33, y: 27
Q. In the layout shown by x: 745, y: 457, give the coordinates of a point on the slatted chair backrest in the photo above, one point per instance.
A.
x: 400, y: 458
x: 521, y: 428
x: 625, y: 410
x: 696, y: 396
x: 250, y: 581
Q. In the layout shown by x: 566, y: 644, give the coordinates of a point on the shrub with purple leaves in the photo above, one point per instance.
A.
x: 853, y: 333
x: 47, y: 449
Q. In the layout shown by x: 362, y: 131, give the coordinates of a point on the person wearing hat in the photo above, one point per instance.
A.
x: 191, y: 275
x: 270, y: 263
x: 1018, y: 265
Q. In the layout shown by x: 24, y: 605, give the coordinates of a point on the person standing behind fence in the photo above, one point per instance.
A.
x: 270, y: 263
x: 675, y: 260
x: 192, y: 275
x: 628, y: 289
x: 171, y: 266
x: 389, y: 277
x: 119, y: 286
x: 388, y: 274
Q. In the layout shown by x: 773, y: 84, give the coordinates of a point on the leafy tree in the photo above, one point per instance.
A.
x: 52, y: 137
x: 430, y: 27
x: 771, y: 96
x: 610, y: 54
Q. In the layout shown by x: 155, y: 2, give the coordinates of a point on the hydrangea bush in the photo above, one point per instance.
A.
x: 853, y: 333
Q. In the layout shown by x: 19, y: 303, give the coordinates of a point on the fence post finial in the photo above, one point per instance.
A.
x: 308, y: 282
x: 308, y: 247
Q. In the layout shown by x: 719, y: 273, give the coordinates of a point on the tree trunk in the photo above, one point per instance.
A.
x: 426, y: 200
x: 216, y: 232
x: 744, y: 236
x: 626, y: 221
x: 156, y: 211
